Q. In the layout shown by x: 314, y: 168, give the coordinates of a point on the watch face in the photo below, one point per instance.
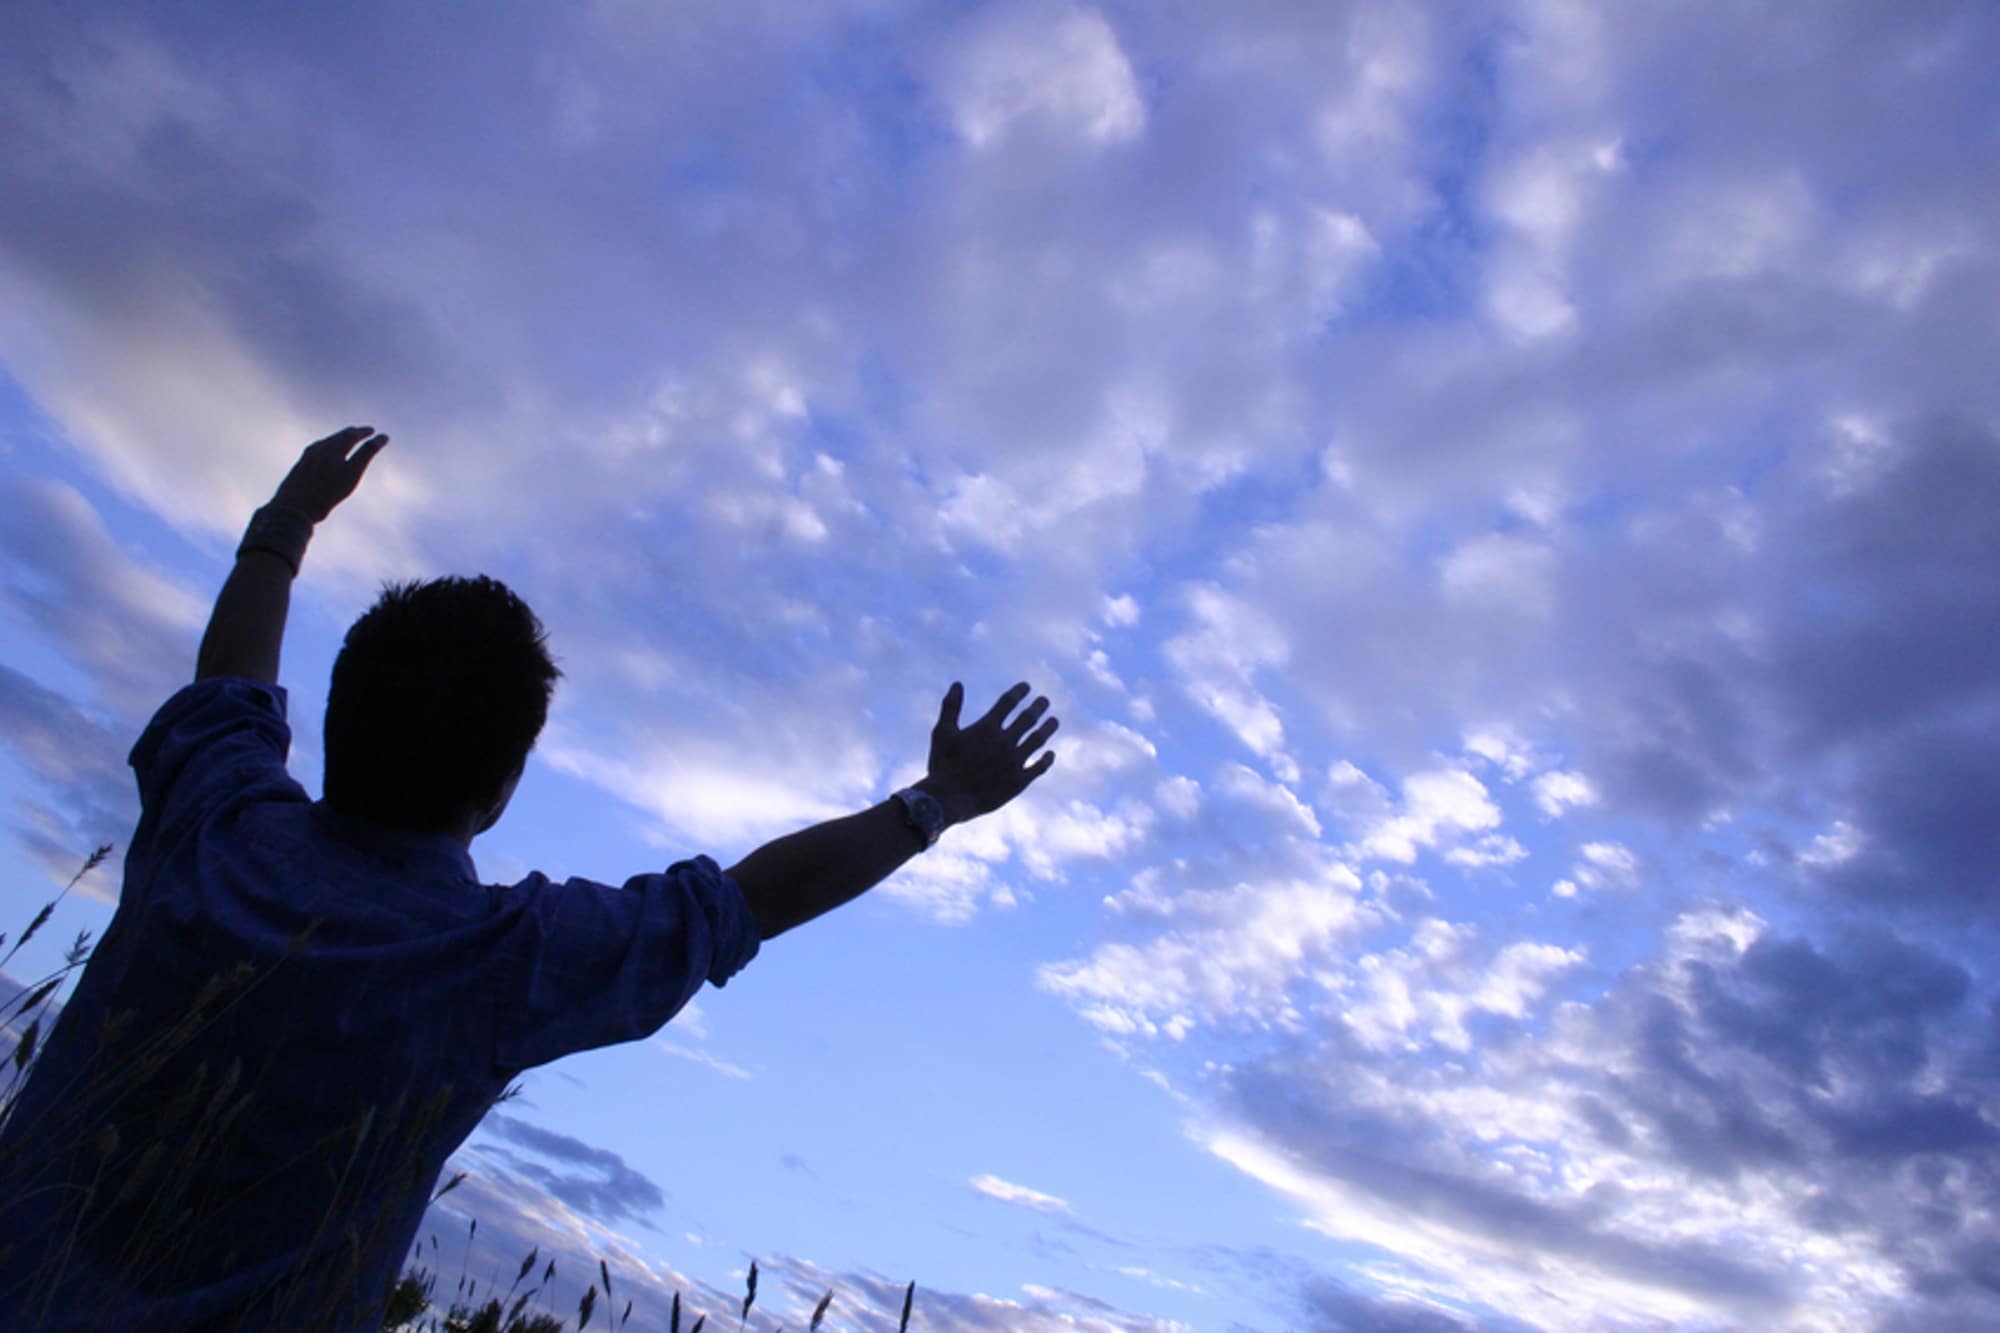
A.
x: 922, y: 812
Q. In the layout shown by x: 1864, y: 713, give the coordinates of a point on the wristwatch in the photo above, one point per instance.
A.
x: 922, y: 813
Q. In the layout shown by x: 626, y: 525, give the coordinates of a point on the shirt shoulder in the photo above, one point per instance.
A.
x: 215, y: 740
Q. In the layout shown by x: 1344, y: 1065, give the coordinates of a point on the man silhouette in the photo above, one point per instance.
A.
x: 301, y: 1008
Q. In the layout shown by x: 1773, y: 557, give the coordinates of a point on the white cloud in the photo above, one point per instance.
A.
x: 986, y: 510
x: 1562, y: 790
x: 1121, y: 612
x: 1102, y: 750
x: 1494, y: 849
x: 1602, y: 865
x: 947, y: 883
x: 692, y: 1020
x: 1179, y: 796
x: 1426, y: 991
x: 1020, y: 1196
x: 1438, y: 806
x: 1098, y: 663
x: 1501, y: 572
x: 1247, y: 785
x: 1839, y: 844
x: 681, y: 1051
x: 1235, y: 958
x: 1611, y: 859
x: 1061, y: 70
x: 710, y: 795
x: 762, y: 512
x: 1048, y: 839
x: 1219, y: 660
x: 1502, y: 747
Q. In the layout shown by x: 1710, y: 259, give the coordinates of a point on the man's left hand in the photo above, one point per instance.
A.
x: 328, y: 471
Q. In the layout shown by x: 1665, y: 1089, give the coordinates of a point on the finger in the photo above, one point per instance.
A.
x: 948, y: 711
x: 1041, y: 736
x: 366, y: 452
x: 1041, y: 766
x: 1019, y: 726
x: 344, y: 438
x: 1005, y: 704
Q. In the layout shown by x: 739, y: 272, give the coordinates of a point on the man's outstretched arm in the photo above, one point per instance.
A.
x: 247, y: 628
x: 973, y: 771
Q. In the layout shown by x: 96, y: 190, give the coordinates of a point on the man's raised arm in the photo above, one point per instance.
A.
x: 247, y: 628
x: 973, y: 771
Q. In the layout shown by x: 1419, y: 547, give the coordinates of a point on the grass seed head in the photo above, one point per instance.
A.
x: 26, y: 1050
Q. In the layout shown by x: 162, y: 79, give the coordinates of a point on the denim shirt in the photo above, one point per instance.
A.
x: 292, y: 1021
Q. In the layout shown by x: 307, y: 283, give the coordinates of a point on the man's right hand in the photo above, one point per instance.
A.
x: 977, y: 769
x: 974, y: 771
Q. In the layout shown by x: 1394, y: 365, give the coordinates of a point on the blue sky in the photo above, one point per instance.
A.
x: 1501, y: 497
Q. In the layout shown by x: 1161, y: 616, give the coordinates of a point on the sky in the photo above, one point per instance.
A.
x: 1501, y: 495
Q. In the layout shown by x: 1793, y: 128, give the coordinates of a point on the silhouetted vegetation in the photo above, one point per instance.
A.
x: 199, y: 1112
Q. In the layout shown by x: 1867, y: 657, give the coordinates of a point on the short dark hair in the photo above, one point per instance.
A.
x: 438, y: 695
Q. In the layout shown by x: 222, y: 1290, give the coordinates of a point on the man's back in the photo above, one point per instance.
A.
x: 292, y: 1022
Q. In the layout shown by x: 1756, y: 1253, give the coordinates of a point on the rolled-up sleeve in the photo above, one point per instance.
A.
x: 587, y: 965
x: 218, y: 738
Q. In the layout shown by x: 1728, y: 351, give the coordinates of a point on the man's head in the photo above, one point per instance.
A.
x: 438, y: 695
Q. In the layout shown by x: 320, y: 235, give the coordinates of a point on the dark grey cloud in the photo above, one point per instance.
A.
x: 1383, y: 1156
x: 594, y: 1181
x: 130, y: 631
x: 514, y: 1219
x: 1338, y: 1308
x: 517, y: 1218
x: 64, y: 579
x: 1852, y: 1079
x: 77, y: 761
x: 1301, y: 1294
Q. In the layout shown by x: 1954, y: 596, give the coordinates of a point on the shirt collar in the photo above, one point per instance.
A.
x: 404, y: 848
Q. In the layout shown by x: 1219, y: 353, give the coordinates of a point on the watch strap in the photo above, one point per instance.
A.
x: 922, y: 813
x: 282, y: 531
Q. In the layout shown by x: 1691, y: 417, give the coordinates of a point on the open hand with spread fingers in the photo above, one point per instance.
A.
x: 977, y: 769
x: 328, y: 471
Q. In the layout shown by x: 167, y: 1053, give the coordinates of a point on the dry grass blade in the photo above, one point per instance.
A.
x: 749, y: 1295
x: 819, y: 1311
x: 41, y: 919
x: 26, y: 1050
x: 527, y: 1264
x: 585, y: 1307
x: 450, y: 1185
x: 674, y: 1320
x: 909, y: 1298
x: 604, y: 1272
x: 625, y: 1318
x: 703, y: 1319
x: 40, y: 993
x: 95, y: 859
